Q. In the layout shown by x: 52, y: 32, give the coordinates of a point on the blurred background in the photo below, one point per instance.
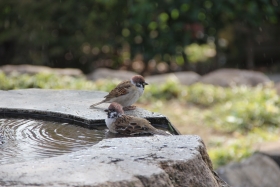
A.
x: 198, y: 39
x: 148, y: 37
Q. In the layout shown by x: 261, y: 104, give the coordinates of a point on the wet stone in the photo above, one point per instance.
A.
x: 119, y: 162
x: 70, y: 106
x: 136, y: 161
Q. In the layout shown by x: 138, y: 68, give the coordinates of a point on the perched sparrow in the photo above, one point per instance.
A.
x: 126, y: 93
x: 118, y: 122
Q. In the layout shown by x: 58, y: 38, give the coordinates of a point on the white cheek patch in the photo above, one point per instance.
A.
x: 113, y: 115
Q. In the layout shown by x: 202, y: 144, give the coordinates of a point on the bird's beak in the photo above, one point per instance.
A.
x: 146, y: 83
x: 106, y: 110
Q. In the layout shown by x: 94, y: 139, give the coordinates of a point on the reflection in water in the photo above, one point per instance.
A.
x: 31, y: 139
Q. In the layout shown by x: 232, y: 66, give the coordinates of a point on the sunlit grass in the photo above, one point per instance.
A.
x: 232, y: 121
x: 239, y: 146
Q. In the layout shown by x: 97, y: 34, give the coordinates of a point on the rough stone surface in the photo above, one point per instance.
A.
x: 185, y: 78
x: 117, y: 162
x: 70, y: 104
x: 104, y: 73
x: 142, y: 161
x: 258, y: 171
x: 227, y: 77
x: 30, y: 69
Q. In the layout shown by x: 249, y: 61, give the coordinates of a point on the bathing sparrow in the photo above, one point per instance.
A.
x: 126, y: 93
x: 118, y: 122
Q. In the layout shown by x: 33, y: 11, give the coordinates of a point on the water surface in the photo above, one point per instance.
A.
x: 28, y: 139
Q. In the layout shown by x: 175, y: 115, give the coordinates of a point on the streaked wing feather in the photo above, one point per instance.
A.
x: 121, y: 89
x: 127, y: 125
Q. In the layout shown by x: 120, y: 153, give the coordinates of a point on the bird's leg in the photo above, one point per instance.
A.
x: 129, y: 108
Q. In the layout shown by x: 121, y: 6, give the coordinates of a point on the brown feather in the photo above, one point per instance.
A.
x: 119, y: 90
x: 130, y: 125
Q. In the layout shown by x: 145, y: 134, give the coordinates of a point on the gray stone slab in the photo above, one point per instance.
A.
x: 185, y: 78
x: 32, y: 70
x: 105, y: 73
x: 65, y: 104
x: 141, y: 161
x: 258, y: 170
x: 117, y: 162
x: 227, y: 77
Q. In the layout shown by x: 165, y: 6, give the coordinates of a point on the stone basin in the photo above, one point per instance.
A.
x: 69, y: 106
x: 118, y: 162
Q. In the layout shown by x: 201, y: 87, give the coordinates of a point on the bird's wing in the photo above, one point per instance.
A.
x: 131, y: 126
x: 119, y: 90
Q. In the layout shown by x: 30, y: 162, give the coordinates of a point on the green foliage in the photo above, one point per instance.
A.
x: 200, y: 53
x: 240, y: 147
x: 60, y: 33
x: 77, y: 33
x: 206, y: 95
x: 167, y: 91
x: 245, y: 108
x: 229, y: 109
x: 42, y: 80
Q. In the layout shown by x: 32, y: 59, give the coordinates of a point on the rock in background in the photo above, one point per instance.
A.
x: 227, y: 77
x: 104, y: 73
x: 185, y: 78
x: 257, y: 171
x: 30, y: 69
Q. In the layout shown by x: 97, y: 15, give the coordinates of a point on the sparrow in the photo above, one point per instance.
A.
x: 126, y: 93
x: 118, y: 122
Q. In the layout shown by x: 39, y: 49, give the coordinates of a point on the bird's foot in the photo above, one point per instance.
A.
x: 129, y: 108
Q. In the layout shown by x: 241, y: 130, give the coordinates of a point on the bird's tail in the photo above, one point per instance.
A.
x: 93, y: 105
x: 161, y: 132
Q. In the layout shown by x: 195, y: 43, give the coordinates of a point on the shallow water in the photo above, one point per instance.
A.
x: 25, y: 139
x: 30, y: 139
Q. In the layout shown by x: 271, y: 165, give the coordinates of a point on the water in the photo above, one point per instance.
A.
x: 32, y: 139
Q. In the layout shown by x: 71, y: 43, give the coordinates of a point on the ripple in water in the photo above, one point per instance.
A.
x: 31, y: 139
